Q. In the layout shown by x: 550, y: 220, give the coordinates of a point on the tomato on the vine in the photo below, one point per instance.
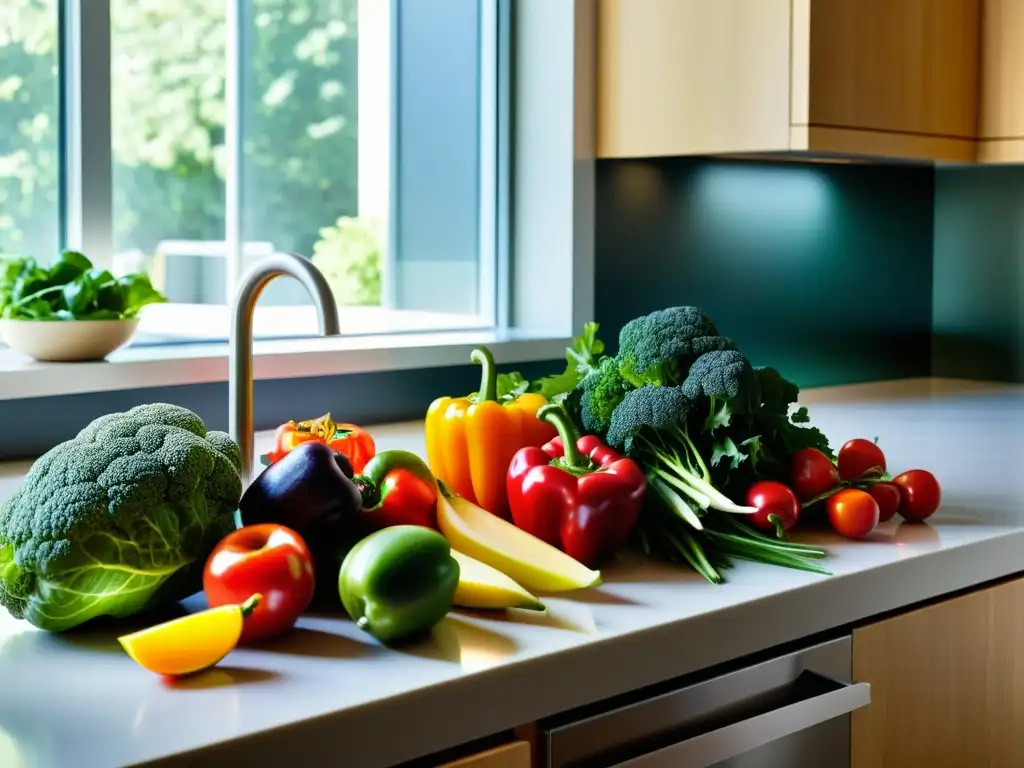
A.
x: 860, y: 458
x: 852, y: 512
x: 777, y: 506
x: 920, y: 494
x: 888, y: 497
x: 813, y: 473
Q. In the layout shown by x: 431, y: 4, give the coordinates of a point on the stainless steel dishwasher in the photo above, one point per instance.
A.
x: 791, y: 711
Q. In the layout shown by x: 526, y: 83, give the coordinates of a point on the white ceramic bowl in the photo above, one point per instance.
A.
x: 66, y: 341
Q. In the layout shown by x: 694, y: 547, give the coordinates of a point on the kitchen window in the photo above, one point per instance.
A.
x: 191, y: 138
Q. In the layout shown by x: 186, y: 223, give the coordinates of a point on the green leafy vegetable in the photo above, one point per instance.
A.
x: 71, y: 289
x: 581, y: 358
x: 119, y: 519
x: 681, y: 399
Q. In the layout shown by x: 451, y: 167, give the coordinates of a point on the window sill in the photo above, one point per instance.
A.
x: 209, y: 323
x: 138, y: 367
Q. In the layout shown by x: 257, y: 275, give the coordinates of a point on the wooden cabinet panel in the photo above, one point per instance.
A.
x: 515, y: 754
x: 1001, y: 120
x: 896, y: 78
x: 906, y: 66
x: 947, y: 684
x: 692, y: 76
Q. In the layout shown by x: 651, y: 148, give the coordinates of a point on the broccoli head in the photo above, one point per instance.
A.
x: 728, y: 383
x: 118, y: 519
x: 600, y: 393
x: 650, y: 407
x: 659, y: 348
x: 721, y: 373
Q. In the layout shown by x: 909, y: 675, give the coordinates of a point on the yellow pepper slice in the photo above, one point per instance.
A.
x: 191, y: 643
x: 471, y: 441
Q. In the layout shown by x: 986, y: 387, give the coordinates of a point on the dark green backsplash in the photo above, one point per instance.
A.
x: 979, y: 278
x: 822, y: 270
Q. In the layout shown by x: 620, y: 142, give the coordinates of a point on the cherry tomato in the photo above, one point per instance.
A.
x: 852, y: 512
x: 266, y: 558
x: 888, y: 497
x: 777, y: 506
x: 860, y: 458
x: 920, y: 494
x: 813, y: 473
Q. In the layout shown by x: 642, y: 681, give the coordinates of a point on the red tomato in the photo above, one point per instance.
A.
x: 777, y: 506
x: 852, y: 512
x: 860, y: 458
x: 888, y: 497
x: 266, y: 558
x: 405, y: 499
x: 920, y: 494
x: 813, y: 473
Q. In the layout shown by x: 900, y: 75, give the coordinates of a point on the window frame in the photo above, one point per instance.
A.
x: 545, y: 164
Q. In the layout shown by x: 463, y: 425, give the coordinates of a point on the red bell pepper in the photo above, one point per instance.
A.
x: 575, y: 493
x: 397, y: 488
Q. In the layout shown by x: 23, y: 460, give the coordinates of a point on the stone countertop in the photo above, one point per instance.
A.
x: 331, y: 693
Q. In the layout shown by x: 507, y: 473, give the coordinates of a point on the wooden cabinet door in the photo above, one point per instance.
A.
x: 692, y: 77
x: 947, y: 684
x: 903, y: 66
x: 1001, y: 124
x: 515, y: 754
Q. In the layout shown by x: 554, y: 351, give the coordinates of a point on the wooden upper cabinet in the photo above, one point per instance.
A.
x: 1001, y: 123
x: 681, y: 77
x: 892, y: 78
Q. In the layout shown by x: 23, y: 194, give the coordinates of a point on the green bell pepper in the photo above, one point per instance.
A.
x: 399, y: 581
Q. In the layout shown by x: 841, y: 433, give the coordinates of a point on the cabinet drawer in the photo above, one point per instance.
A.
x: 513, y: 755
x: 791, y: 711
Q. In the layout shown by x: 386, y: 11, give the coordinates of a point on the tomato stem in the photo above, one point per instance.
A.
x: 250, y: 605
x: 860, y: 482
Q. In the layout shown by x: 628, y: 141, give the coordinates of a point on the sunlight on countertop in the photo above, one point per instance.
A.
x: 646, y: 622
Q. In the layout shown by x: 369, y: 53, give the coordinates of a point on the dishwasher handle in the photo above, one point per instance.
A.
x: 722, y: 743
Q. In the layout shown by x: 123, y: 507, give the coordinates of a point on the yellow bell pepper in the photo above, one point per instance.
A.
x: 471, y: 440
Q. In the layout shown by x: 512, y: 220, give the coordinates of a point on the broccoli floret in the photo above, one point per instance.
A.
x: 118, y: 519
x: 660, y: 347
x: 728, y: 382
x: 649, y: 407
x: 651, y: 423
x: 721, y: 373
x: 601, y: 391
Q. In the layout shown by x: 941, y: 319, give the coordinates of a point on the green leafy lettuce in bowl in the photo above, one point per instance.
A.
x: 37, y: 302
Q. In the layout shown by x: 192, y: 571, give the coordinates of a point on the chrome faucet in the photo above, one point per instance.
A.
x: 240, y: 347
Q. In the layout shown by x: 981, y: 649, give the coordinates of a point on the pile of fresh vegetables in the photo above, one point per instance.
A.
x: 146, y: 507
x: 730, y: 459
x: 675, y: 443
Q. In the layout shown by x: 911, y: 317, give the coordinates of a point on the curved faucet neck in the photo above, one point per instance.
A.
x: 240, y: 370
